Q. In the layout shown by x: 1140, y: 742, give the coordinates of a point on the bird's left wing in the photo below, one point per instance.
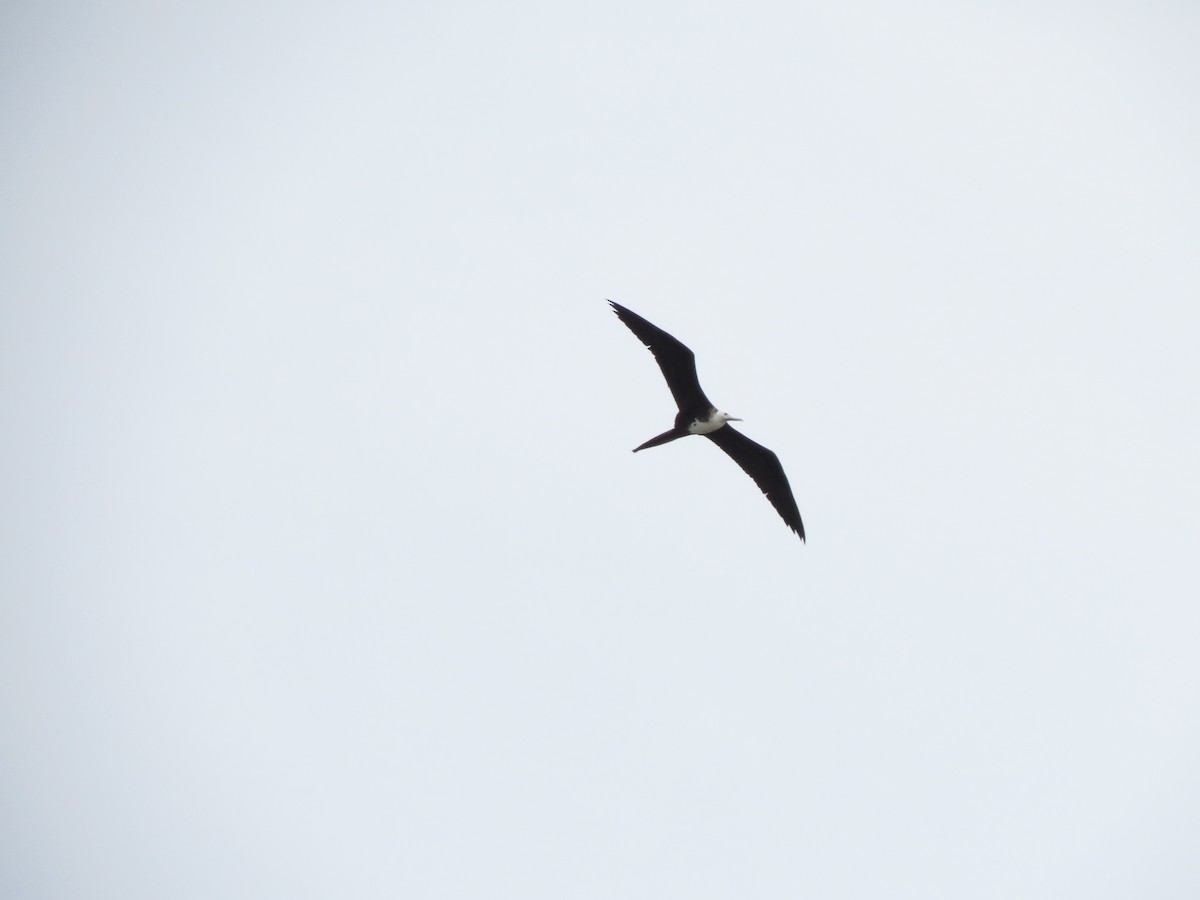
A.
x: 677, y: 362
x: 764, y: 467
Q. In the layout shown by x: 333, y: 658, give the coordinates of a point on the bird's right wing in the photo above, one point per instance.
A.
x: 677, y: 362
x: 764, y: 467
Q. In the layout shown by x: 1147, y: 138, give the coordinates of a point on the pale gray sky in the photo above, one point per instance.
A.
x: 327, y: 570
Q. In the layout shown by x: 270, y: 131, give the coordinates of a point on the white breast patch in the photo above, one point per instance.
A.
x: 706, y: 426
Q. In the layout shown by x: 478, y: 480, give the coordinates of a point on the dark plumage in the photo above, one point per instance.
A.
x: 697, y: 415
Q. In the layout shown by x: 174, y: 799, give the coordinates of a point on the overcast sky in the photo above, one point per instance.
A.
x: 326, y: 569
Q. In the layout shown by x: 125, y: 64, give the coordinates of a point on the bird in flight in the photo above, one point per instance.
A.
x: 697, y: 415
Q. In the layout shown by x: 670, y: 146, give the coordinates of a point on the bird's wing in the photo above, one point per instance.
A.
x: 677, y: 362
x: 764, y: 467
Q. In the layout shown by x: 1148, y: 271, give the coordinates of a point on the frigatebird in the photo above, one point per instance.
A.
x: 697, y: 415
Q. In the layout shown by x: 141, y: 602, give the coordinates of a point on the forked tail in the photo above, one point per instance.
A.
x: 664, y: 438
